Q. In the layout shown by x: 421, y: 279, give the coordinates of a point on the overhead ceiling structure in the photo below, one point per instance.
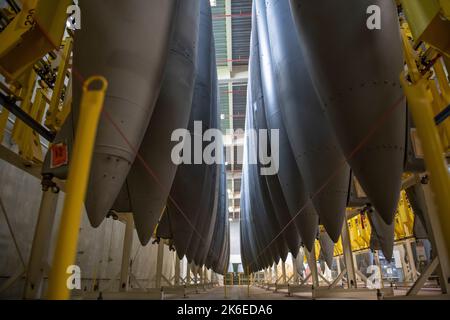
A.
x: 232, y: 28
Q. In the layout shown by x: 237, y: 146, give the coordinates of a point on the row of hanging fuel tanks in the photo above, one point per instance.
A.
x: 331, y: 86
x: 159, y: 59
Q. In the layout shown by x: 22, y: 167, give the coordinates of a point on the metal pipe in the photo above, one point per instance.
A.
x: 65, y: 253
x: 26, y: 118
x: 444, y: 114
x: 13, y: 6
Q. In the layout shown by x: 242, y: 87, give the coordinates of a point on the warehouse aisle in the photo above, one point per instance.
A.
x: 241, y: 293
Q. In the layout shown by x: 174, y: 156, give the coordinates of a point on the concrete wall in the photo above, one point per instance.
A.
x: 99, y: 251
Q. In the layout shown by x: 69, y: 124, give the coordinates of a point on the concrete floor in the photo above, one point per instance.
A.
x: 256, y: 293
x: 240, y: 293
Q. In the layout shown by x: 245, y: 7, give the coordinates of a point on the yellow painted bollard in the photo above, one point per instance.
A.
x: 66, y: 247
x: 419, y: 103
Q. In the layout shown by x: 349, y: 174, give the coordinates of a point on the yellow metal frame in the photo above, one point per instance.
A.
x: 53, y: 121
x: 30, y: 146
x: 34, y: 32
x: 420, y: 105
x: 438, y: 83
x: 66, y: 246
x: 27, y: 140
x: 360, y: 229
x: 445, y: 8
x: 424, y: 100
x: 429, y: 22
x: 440, y: 89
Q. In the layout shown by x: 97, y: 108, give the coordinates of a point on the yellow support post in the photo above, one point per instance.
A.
x: 65, y: 253
x: 316, y: 251
x: 30, y: 148
x: 404, y: 217
x: 360, y: 239
x: 52, y: 120
x: 398, y: 228
x: 410, y: 54
x: 441, y: 95
x: 338, y: 248
x: 66, y: 106
x: 365, y: 230
x: 420, y: 104
x: 26, y: 94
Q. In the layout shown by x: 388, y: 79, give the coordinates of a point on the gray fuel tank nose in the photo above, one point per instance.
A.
x: 357, y: 78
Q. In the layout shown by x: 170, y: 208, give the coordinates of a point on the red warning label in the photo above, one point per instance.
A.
x: 59, y: 155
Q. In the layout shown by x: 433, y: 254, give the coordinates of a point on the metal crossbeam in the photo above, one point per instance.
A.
x: 26, y: 118
x: 414, y: 290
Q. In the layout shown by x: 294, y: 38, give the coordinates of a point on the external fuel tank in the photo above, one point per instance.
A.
x: 316, y: 150
x: 326, y: 248
x: 219, y: 224
x: 270, y: 187
x: 382, y: 236
x: 134, y: 67
x: 264, y: 230
x: 355, y: 69
x: 148, y: 191
x: 188, y: 188
x: 209, y: 213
